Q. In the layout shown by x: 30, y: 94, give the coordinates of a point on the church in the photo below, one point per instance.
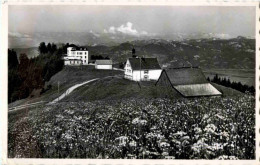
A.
x: 142, y: 69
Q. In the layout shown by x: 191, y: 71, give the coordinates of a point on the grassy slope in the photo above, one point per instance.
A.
x: 67, y: 77
x: 23, y: 125
x: 119, y: 88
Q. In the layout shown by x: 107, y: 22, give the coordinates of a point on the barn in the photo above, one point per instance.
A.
x: 189, y: 82
x: 142, y: 69
x: 103, y: 64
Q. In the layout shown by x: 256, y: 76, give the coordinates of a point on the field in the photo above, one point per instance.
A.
x: 245, y: 76
x: 199, y: 128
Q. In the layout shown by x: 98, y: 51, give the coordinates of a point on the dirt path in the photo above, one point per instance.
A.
x: 68, y: 91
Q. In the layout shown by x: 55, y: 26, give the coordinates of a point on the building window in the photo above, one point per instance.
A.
x: 85, y: 52
x: 146, y: 72
x: 85, y: 56
x: 145, y: 76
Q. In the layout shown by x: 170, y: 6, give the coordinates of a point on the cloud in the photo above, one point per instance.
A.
x: 18, y: 35
x: 125, y: 29
x: 223, y: 36
x: 216, y: 35
x: 95, y: 34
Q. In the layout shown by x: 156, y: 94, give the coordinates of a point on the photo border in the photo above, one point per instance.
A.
x: 4, y: 77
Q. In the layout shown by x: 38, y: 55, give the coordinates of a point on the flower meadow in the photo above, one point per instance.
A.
x: 196, y: 128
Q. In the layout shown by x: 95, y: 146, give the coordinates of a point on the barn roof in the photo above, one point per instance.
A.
x: 185, y: 76
x: 146, y: 63
x: 197, y: 90
x: 104, y: 62
x: 190, y: 82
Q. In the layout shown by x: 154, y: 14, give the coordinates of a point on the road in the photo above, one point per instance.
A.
x: 25, y: 106
x: 68, y: 91
x: 119, y: 69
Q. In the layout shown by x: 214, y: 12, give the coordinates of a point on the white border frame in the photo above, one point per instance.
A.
x: 4, y: 77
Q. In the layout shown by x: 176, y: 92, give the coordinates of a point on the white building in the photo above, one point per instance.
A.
x: 142, y: 69
x: 76, y: 56
x: 103, y: 64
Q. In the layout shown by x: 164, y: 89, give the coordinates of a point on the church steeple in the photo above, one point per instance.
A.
x: 133, y: 52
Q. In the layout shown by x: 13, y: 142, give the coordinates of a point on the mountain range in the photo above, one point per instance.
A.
x: 206, y: 53
x: 238, y: 53
x: 18, y: 40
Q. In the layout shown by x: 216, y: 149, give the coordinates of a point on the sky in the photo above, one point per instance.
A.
x: 25, y: 21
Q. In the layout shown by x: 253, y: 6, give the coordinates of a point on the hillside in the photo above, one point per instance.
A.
x: 117, y: 88
x: 199, y: 128
x: 66, y: 78
x: 30, y: 52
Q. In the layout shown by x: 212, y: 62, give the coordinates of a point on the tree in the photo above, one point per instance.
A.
x: 24, y: 61
x: 49, y: 47
x: 53, y: 48
x: 12, y: 59
x: 42, y: 48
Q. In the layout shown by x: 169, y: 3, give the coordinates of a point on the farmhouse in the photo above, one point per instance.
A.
x: 142, y: 69
x: 76, y: 56
x: 189, y: 82
x: 103, y: 64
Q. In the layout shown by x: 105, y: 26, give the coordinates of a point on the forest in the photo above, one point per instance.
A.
x: 235, y: 85
x: 28, y: 74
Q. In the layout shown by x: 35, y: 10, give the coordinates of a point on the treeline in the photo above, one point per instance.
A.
x: 26, y: 75
x: 235, y: 85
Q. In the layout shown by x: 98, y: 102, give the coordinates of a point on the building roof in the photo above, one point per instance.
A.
x: 186, y: 76
x: 146, y: 63
x: 190, y: 82
x: 197, y: 90
x: 79, y: 48
x: 104, y: 62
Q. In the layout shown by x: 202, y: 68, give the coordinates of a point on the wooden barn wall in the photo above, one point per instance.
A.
x: 163, y: 81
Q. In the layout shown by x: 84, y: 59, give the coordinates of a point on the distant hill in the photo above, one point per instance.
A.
x: 30, y: 52
x: 237, y: 53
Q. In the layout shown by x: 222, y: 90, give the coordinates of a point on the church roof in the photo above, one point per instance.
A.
x: 146, y: 63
